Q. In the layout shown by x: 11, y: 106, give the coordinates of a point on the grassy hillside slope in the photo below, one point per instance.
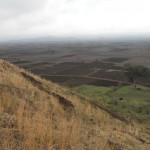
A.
x: 123, y: 100
x: 36, y: 114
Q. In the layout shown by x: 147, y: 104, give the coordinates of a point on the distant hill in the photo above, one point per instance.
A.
x: 52, y: 39
x: 36, y: 114
x: 80, y: 38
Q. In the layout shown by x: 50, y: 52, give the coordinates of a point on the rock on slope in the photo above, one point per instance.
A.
x: 38, y: 114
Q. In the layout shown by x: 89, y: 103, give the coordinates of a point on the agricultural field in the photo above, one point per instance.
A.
x: 76, y: 63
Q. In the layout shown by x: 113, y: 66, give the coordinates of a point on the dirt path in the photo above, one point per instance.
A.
x: 91, y: 73
x: 146, y: 85
x: 88, y: 77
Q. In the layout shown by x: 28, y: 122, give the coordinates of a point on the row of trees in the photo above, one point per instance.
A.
x: 135, y: 72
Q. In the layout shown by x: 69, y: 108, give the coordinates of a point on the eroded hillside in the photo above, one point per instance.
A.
x: 41, y: 115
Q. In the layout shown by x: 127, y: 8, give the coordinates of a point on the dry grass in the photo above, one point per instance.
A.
x: 32, y: 119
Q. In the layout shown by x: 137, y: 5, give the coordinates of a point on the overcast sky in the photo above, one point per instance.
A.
x: 27, y: 18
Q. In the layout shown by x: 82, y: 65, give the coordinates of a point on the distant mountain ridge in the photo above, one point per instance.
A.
x: 81, y: 38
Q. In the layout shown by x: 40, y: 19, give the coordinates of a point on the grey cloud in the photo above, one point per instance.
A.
x: 68, y: 17
x: 21, y: 5
x: 14, y: 8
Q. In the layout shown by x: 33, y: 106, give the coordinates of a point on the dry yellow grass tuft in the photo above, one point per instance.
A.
x: 36, y: 114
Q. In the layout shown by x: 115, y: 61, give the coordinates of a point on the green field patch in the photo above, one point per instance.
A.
x: 95, y: 69
x: 92, y: 90
x: 113, y: 70
x: 130, y: 102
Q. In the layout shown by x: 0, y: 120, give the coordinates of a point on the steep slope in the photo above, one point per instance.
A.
x: 38, y: 114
